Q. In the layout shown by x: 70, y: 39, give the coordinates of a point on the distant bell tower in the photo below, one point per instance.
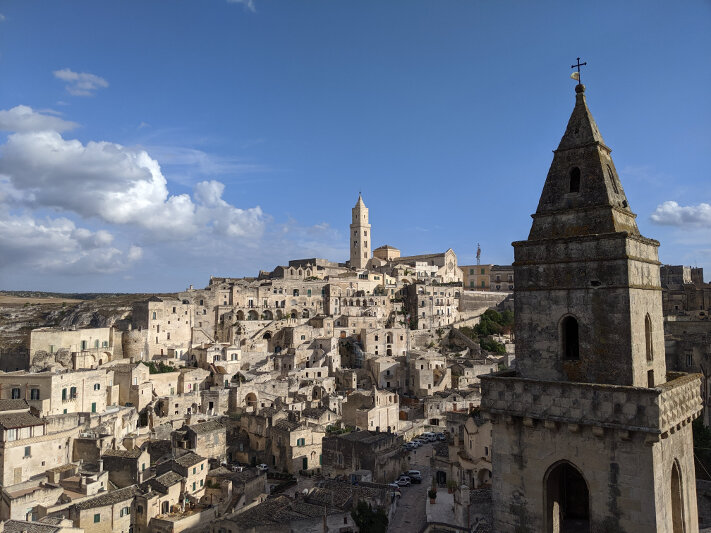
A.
x: 360, y: 235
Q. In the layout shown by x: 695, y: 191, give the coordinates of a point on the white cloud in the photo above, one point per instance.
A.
x: 56, y: 245
x: 23, y: 118
x: 80, y: 83
x: 2, y: 17
x: 248, y: 4
x: 670, y: 213
x: 116, y: 184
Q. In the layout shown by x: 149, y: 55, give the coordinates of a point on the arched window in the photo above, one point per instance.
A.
x: 570, y: 342
x: 648, y: 337
x: 611, y: 175
x: 575, y: 180
x: 677, y: 500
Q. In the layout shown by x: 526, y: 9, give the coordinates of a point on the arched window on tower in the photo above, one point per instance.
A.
x: 648, y: 337
x: 575, y: 180
x: 570, y: 342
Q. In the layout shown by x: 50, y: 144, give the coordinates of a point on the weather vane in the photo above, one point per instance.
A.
x: 576, y: 75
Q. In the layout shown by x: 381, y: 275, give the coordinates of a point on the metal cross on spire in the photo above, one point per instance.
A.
x: 578, y: 65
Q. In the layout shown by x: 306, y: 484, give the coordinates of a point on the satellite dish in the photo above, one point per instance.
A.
x: 305, y: 492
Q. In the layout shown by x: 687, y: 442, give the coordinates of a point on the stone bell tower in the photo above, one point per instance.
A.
x: 360, y: 235
x: 590, y: 434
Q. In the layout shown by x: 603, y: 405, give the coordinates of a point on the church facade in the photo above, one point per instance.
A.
x: 590, y: 433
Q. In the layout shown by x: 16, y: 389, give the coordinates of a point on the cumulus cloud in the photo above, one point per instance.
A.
x: 115, y: 184
x: 23, y: 118
x: 670, y: 213
x: 248, y: 4
x: 80, y: 83
x: 57, y: 245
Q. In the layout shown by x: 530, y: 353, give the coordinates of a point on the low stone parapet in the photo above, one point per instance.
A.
x: 659, y: 410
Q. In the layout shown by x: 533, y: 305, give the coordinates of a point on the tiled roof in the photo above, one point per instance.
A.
x: 280, y: 510
x: 108, y: 498
x: 19, y: 420
x: 286, y: 425
x: 206, y: 427
x: 13, y: 405
x: 128, y: 454
x: 189, y: 459
x: 20, y: 526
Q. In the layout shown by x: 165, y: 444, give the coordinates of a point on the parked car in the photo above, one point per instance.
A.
x: 262, y: 467
x: 411, y: 473
x: 415, y: 443
x: 403, y: 481
x: 409, y: 446
x: 441, y: 436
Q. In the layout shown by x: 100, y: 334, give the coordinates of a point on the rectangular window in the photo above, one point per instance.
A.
x: 11, y: 434
x: 15, y: 393
x: 97, y: 518
x: 194, y: 485
x: 34, y: 394
x: 194, y: 470
x: 28, y: 451
x: 93, y: 407
x: 97, y: 386
x: 471, y: 271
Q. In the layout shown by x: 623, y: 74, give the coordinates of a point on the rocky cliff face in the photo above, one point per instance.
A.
x: 19, y: 314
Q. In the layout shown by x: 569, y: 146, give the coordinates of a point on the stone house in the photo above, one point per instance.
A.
x: 374, y: 410
x: 501, y: 278
x: 387, y: 372
x: 434, y: 305
x: 476, y: 277
x: 27, y: 448
x: 135, y: 387
x: 440, y: 403
x: 384, y: 341
x: 379, y: 452
x: 108, y: 512
x: 98, y: 343
x: 127, y: 467
x: 207, y: 439
x: 192, y: 467
x: 428, y: 373
x: 295, y: 446
x: 168, y: 325
x: 159, y: 496
x: 55, y: 393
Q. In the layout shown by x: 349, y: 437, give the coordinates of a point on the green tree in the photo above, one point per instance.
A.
x: 369, y: 520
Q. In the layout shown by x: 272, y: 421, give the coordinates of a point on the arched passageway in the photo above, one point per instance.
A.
x: 567, y: 500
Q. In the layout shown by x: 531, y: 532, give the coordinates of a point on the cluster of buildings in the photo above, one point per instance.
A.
x: 280, y: 402
x: 195, y: 412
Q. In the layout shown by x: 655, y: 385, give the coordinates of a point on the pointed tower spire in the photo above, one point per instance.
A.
x: 582, y: 180
x: 587, y: 282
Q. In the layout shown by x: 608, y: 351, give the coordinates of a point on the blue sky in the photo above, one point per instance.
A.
x: 147, y: 145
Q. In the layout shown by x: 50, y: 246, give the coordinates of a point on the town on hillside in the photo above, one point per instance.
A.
x: 387, y: 392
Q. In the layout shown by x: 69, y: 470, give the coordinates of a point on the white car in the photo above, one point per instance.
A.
x: 262, y: 467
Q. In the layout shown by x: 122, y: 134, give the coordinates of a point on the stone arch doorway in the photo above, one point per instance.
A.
x: 677, y: 500
x: 567, y: 499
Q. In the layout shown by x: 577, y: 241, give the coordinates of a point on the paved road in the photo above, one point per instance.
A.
x: 410, y: 514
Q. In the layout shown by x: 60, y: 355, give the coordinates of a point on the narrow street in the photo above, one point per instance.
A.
x: 410, y: 514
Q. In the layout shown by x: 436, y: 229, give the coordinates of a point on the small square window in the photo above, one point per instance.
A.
x: 97, y: 518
